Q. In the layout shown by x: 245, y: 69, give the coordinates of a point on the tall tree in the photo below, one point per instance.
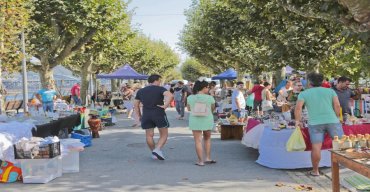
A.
x: 103, y: 53
x: 255, y: 36
x: 14, y: 15
x: 192, y: 69
x: 60, y: 28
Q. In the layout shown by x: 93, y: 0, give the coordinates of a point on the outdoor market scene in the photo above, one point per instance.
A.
x: 189, y: 95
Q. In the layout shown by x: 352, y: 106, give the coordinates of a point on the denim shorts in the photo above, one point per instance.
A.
x: 238, y: 114
x: 317, y: 132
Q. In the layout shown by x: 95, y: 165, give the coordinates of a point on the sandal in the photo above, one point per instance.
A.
x: 210, y: 162
x: 199, y: 164
x: 311, y: 173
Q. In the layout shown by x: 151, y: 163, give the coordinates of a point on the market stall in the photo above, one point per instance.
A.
x: 272, y: 145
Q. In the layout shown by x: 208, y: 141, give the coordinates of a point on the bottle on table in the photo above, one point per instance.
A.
x: 336, y: 143
x: 347, y: 144
x: 363, y: 142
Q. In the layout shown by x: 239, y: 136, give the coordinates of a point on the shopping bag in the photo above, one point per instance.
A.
x: 267, y: 105
x: 296, y: 141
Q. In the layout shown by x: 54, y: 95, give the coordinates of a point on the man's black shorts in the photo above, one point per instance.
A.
x: 151, y: 120
x: 257, y: 105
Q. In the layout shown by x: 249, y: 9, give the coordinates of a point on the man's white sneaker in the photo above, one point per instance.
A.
x: 158, y: 154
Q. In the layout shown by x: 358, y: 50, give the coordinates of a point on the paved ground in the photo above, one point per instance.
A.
x: 120, y: 161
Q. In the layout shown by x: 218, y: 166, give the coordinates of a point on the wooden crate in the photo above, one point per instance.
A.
x: 232, y: 132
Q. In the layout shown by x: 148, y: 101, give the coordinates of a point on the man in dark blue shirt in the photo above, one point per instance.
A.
x: 344, y: 94
x: 152, y: 98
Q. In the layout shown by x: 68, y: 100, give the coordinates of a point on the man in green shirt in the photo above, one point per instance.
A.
x: 323, y: 116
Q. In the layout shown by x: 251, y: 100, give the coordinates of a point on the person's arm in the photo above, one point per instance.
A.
x: 38, y: 96
x: 298, y: 113
x: 168, y: 99
x: 188, y: 107
x: 336, y: 106
x: 213, y: 107
x: 184, y: 96
x: 137, y: 108
x: 268, y: 96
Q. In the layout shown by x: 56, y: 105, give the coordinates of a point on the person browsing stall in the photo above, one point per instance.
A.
x: 344, y: 93
x: 238, y: 101
x: 76, y: 94
x: 47, y: 97
x: 153, y: 114
x: 201, y: 105
x: 323, y: 116
x: 293, y: 95
x: 257, y: 90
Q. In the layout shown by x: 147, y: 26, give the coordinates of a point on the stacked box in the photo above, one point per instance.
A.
x: 41, y: 170
x: 71, y: 162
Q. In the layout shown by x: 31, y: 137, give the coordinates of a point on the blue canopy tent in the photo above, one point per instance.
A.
x: 229, y: 74
x: 125, y: 72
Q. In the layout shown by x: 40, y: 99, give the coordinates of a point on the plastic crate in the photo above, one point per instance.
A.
x: 40, y: 170
x: 85, y: 139
x: 45, y: 152
x: 71, y: 162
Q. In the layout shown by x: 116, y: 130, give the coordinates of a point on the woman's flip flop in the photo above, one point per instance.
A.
x: 198, y: 164
x: 310, y: 173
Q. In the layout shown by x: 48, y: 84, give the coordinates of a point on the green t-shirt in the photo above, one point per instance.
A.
x: 319, y: 103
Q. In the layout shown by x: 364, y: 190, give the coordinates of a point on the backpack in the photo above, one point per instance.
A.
x: 200, y: 109
x: 178, y: 95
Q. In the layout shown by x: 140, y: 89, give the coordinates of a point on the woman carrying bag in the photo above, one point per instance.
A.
x: 201, y: 105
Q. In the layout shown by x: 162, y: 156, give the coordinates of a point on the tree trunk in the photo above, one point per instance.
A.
x: 239, y: 72
x: 113, y: 83
x: 279, y: 76
x: 46, y: 76
x: 85, y: 74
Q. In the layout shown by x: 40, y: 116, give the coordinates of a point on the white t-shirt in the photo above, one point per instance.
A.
x: 237, y: 95
x: 282, y: 97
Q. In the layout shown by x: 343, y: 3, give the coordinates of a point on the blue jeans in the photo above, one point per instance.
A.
x: 180, y: 108
x: 317, y: 132
x: 76, y: 100
x: 48, y: 106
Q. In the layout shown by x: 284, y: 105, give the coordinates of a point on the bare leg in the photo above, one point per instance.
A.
x: 316, y: 157
x: 163, y: 134
x: 149, y: 138
x: 129, y: 113
x: 198, y: 146
x: 207, y: 144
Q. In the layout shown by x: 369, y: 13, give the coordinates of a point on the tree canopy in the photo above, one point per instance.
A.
x: 262, y: 36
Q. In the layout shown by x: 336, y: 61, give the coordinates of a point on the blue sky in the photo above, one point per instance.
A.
x: 160, y: 19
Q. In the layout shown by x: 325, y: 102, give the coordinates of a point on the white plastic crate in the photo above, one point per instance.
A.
x: 40, y: 170
x: 71, y: 162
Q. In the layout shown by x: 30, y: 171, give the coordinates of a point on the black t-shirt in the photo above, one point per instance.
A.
x: 151, y: 96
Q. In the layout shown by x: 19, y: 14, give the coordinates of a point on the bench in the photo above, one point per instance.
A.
x: 13, y: 105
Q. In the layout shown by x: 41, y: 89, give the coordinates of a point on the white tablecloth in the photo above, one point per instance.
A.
x: 274, y: 155
x: 10, y: 134
x: 253, y: 137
